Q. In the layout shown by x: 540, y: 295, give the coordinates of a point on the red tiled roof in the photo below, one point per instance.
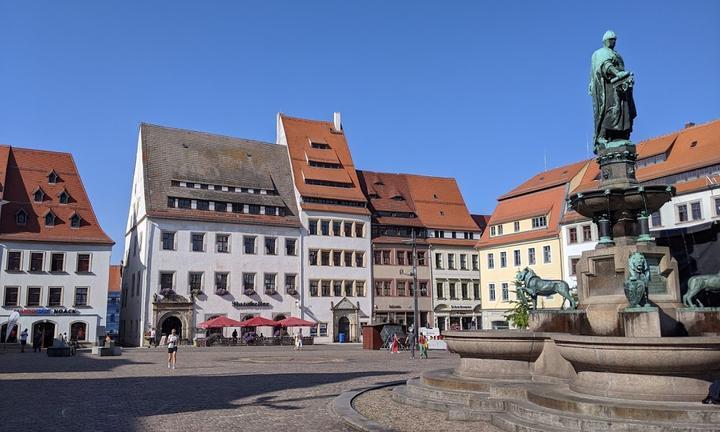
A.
x: 439, y: 203
x: 26, y: 170
x: 546, y: 179
x: 114, y: 278
x: 299, y: 134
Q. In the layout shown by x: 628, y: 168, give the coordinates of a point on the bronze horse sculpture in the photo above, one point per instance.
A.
x: 698, y: 284
x: 531, y: 285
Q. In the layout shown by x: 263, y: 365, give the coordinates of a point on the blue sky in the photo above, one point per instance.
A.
x: 482, y: 91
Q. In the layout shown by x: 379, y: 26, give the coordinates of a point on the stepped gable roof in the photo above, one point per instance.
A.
x: 115, y: 279
x: 389, y: 193
x: 300, y: 134
x: 439, y: 203
x: 181, y: 155
x: 24, y: 171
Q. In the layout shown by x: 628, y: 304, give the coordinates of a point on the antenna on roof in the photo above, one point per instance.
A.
x: 587, y: 147
x: 545, y: 159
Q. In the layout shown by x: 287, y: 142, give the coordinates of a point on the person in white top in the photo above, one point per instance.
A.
x: 23, y: 340
x: 172, y: 349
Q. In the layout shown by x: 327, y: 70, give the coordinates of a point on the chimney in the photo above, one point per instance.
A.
x: 337, y: 124
x: 689, y: 125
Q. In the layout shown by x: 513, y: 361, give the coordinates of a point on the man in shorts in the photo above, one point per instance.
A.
x: 172, y: 349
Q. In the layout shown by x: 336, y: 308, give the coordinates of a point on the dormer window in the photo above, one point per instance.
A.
x: 50, y: 219
x: 398, y: 198
x: 319, y: 145
x: 64, y: 197
x: 75, y: 221
x: 21, y: 217
x: 53, y: 177
x: 39, y: 195
x: 378, y: 183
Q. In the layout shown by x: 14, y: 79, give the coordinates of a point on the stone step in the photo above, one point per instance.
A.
x: 416, y: 388
x: 400, y: 395
x: 510, y: 423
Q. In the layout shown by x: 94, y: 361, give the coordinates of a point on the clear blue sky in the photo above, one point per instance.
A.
x: 475, y: 90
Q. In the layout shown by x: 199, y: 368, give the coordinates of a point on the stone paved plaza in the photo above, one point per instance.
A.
x: 243, y: 389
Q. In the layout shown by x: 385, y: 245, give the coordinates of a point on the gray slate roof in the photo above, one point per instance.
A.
x: 183, y: 155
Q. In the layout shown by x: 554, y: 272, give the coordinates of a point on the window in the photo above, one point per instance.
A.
x: 476, y: 291
x: 238, y: 208
x: 505, y: 292
x: 400, y: 288
x: 337, y: 288
x: 221, y: 207
x: 33, y: 296
x: 248, y: 281
x: 325, y: 227
x: 270, y: 246
x: 203, y: 205
x: 359, y: 259
x: 572, y: 235
x: 78, y: 331
x: 337, y: 258
x: 222, y: 243
x: 53, y: 177
x: 464, y: 290
x: 290, y: 284
x: 168, y: 240
x: 717, y: 206
x: 573, y: 266
x: 359, y: 229
x: 682, y: 213
x: 195, y: 281
x: 50, y: 219
x: 36, y: 261
x: 57, y: 262
x: 656, y: 219
x: 491, y: 261
x: 493, y: 231
x: 325, y: 288
x: 83, y: 263
x: 516, y: 225
x: 463, y: 262
x: 500, y: 230
x: 400, y: 256
x: 270, y: 283
x: 14, y: 261
x: 21, y: 217
x: 221, y: 280
x: 313, y: 288
x: 322, y: 329
x: 197, y: 241
x: 386, y: 257
x: 254, y: 209
x: 312, y: 226
x: 546, y: 254
x: 290, y: 248
x: 531, y: 256
x: 348, y: 259
x: 377, y: 257
x: 475, y: 264
x: 438, y: 261
x: 184, y: 203
x: 516, y: 258
x: 64, y: 197
x: 491, y: 289
x: 360, y: 288
x: 55, y: 296
x: 336, y: 231
x: 166, y: 280
x: 39, y: 195
x: 539, y: 222
x: 313, y: 255
x: 453, y: 295
x: 325, y: 258
x: 423, y: 289
x: 321, y: 146
x: 348, y: 288
x: 503, y: 259
x: 440, y: 288
x: 249, y: 245
x: 421, y: 258
x: 11, y: 296
x: 81, y: 296
x: 587, y: 233
x: 451, y: 261
x: 347, y: 229
x: 696, y: 211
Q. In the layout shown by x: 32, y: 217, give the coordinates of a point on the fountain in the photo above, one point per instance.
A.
x: 623, y: 360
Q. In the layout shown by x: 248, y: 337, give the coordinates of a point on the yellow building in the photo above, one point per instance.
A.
x: 524, y: 231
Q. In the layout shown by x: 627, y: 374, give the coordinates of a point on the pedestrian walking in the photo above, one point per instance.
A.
x: 23, y: 340
x: 395, y: 344
x: 423, y: 342
x: 234, y: 337
x: 172, y: 349
x: 153, y: 338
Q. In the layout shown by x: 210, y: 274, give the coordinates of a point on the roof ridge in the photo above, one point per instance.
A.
x: 171, y: 128
x: 25, y: 149
x: 678, y: 131
x: 283, y: 115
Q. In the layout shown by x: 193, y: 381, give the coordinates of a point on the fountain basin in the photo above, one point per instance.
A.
x: 664, y: 369
x: 632, y: 199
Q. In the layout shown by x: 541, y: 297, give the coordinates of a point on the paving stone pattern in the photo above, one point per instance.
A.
x: 213, y: 389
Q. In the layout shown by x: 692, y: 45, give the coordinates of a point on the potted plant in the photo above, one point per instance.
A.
x: 221, y: 291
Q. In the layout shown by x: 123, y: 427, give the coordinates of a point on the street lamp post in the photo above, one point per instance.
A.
x: 416, y: 317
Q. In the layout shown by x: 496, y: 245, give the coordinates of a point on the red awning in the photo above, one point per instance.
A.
x: 220, y: 322
x: 258, y: 322
x: 296, y: 322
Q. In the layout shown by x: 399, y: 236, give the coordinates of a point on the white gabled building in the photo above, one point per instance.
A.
x: 213, y: 230
x: 336, y: 249
x: 55, y: 256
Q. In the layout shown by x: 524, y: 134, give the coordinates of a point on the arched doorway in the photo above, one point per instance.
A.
x: 278, y: 329
x: 170, y: 323
x: 12, y: 337
x: 344, y: 327
x: 46, y: 330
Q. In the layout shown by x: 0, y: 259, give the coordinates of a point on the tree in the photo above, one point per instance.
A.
x: 519, y: 314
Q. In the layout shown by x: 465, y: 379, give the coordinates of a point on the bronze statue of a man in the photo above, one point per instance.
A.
x: 611, y: 90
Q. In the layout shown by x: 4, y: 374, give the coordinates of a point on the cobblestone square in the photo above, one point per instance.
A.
x: 212, y: 389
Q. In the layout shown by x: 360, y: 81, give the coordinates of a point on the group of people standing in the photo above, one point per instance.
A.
x: 422, y: 344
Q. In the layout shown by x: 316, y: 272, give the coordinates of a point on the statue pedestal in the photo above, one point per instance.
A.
x: 558, y: 321
x: 699, y: 321
x: 641, y: 322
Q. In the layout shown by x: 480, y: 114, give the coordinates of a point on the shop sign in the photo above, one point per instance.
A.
x: 238, y: 304
x: 395, y: 307
x: 48, y: 311
x: 461, y: 307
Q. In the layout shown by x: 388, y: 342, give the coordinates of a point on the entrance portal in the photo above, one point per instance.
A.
x: 344, y: 327
x: 171, y: 323
x: 46, y: 330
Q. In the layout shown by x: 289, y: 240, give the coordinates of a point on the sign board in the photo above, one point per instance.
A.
x: 48, y: 311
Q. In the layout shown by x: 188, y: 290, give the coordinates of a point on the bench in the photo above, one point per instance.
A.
x: 109, y: 351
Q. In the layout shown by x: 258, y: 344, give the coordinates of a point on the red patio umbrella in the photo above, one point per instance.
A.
x: 220, y: 322
x: 258, y: 321
x: 296, y: 322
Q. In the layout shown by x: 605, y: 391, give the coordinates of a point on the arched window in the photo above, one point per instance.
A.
x: 78, y: 331
x: 53, y: 177
x: 21, y: 217
x: 50, y: 219
x: 64, y: 197
x: 39, y: 195
x: 75, y: 221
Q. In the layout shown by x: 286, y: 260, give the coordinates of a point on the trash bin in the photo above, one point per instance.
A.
x: 341, y: 337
